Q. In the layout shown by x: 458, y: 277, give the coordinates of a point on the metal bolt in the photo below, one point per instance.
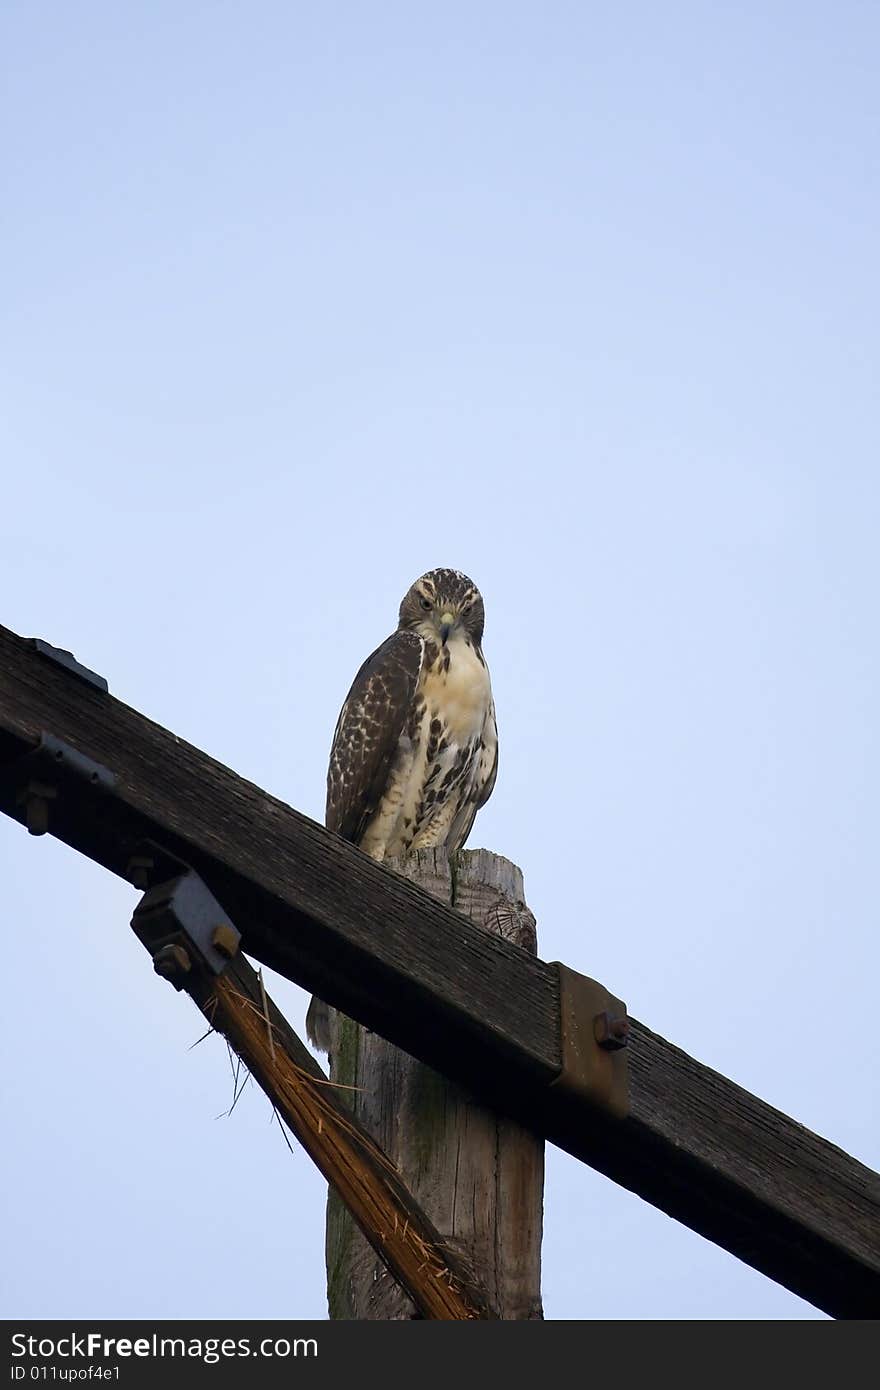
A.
x: 611, y: 1033
x: 225, y: 940
x: 36, y: 815
x: 34, y: 799
x: 138, y: 870
x: 171, y: 962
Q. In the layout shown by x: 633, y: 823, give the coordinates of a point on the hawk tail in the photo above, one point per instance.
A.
x: 318, y: 1024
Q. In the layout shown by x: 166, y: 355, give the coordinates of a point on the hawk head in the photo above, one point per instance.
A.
x: 442, y: 603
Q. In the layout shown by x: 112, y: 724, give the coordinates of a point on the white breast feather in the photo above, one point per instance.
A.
x: 461, y: 698
x: 460, y: 695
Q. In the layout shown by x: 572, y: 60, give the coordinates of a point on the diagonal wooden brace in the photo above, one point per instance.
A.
x: 195, y: 945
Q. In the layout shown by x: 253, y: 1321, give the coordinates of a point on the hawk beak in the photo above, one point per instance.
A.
x: 446, y: 622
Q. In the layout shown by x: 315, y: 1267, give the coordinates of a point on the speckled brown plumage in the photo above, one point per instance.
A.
x: 415, y: 752
x: 382, y: 702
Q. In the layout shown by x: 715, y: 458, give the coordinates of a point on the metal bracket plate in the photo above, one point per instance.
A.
x: 39, y: 777
x: 69, y: 662
x: 594, y: 1031
x: 182, y: 925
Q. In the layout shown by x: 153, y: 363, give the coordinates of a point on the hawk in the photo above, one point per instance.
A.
x: 415, y: 752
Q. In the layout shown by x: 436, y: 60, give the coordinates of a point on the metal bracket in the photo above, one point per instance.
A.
x: 69, y: 662
x: 183, y: 926
x: 594, y: 1036
x: 40, y: 777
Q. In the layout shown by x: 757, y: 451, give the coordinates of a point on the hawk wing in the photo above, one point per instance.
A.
x: 481, y: 791
x: 368, y: 731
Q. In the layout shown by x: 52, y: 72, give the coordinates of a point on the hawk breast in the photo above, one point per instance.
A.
x: 415, y: 750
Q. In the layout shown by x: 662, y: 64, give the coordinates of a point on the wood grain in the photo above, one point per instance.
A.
x: 478, y: 1175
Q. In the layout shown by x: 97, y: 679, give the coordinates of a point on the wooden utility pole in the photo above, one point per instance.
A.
x: 477, y: 1175
x: 532, y: 1039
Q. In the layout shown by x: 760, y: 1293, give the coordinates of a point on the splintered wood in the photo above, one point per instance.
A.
x: 236, y: 1005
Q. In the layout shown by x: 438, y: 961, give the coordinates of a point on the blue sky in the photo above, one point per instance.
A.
x: 299, y: 302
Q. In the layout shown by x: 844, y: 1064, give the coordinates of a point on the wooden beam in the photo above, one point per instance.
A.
x: 469, y: 1004
x: 311, y: 901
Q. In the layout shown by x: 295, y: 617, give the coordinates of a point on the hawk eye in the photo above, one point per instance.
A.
x: 426, y: 604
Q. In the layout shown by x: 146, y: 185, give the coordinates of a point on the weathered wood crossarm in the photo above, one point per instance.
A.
x: 469, y: 1004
